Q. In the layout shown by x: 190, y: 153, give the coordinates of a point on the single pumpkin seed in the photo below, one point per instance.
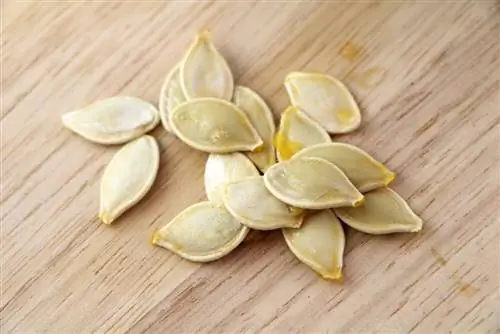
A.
x: 382, y: 212
x: 365, y: 172
x: 319, y: 243
x: 128, y: 177
x: 221, y: 169
x: 254, y: 206
x: 114, y: 120
x: 311, y: 183
x: 204, y: 72
x: 325, y: 99
x: 171, y: 95
x: 203, y: 232
x: 214, y: 125
x: 297, y: 131
x: 261, y: 118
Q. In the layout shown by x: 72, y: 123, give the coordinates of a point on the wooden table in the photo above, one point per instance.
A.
x: 426, y: 77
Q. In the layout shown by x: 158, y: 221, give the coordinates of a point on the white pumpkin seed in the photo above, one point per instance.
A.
x: 253, y: 205
x: 171, y: 95
x: 261, y: 118
x: 115, y: 120
x: 297, y: 131
x: 311, y: 183
x: 365, y: 172
x: 204, y: 72
x: 214, y: 125
x: 221, y: 169
x: 319, y: 243
x: 325, y: 99
x: 203, y: 232
x: 128, y: 177
x: 382, y: 212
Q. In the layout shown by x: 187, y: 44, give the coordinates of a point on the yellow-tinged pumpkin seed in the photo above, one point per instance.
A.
x: 254, y: 206
x: 311, y: 183
x: 114, y: 120
x: 221, y: 169
x: 203, y: 232
x: 204, y: 72
x: 365, y: 172
x: 171, y: 95
x: 297, y: 131
x: 214, y: 125
x: 319, y: 243
x: 382, y: 212
x: 128, y: 177
x: 325, y: 99
x: 261, y: 118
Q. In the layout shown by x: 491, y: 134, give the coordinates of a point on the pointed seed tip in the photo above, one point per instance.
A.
x: 391, y: 176
x: 155, y: 238
x: 340, y: 279
x: 104, y: 218
x: 204, y: 35
x: 359, y: 202
x: 65, y: 117
x: 259, y: 147
x: 335, y: 276
x: 418, y: 228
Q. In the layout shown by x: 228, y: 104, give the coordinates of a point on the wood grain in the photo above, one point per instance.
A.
x: 432, y: 117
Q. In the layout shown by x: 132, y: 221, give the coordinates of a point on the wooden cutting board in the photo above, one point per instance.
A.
x: 426, y: 77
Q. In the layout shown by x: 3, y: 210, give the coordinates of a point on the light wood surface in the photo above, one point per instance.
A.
x: 431, y: 114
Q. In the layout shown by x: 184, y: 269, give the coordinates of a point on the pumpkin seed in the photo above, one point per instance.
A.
x: 311, y: 183
x: 171, y: 95
x: 365, y: 172
x: 203, y: 232
x: 383, y: 212
x: 297, y: 131
x: 128, y: 177
x: 214, y: 125
x: 319, y: 243
x: 325, y: 99
x: 114, y: 120
x: 254, y: 206
x: 261, y: 118
x: 221, y: 169
x: 204, y: 72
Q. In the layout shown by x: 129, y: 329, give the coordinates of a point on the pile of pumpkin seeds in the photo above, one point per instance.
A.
x: 256, y: 177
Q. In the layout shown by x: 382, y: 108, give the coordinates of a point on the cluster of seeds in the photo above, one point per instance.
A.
x: 294, y: 179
